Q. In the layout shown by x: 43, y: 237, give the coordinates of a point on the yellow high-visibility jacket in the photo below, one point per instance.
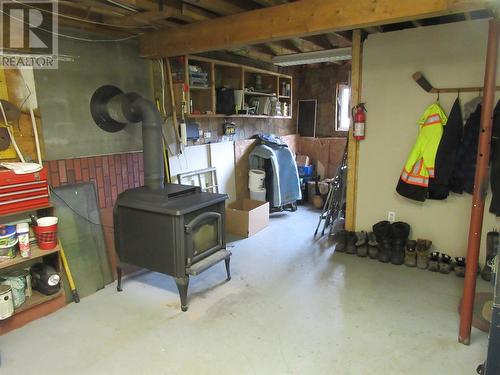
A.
x: 419, y: 166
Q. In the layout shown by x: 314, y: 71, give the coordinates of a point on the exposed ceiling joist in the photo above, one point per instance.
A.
x: 337, y: 40
x: 140, y: 4
x: 270, y: 3
x: 222, y: 7
x: 252, y: 53
x: 373, y: 29
x: 142, y: 18
x: 300, y: 18
x: 193, y: 14
x: 97, y: 8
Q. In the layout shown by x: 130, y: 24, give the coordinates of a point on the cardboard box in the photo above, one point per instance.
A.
x: 302, y: 160
x: 246, y: 217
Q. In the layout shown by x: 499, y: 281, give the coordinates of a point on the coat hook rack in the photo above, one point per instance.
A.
x: 425, y: 84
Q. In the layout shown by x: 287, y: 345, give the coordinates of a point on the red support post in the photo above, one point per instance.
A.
x: 481, y: 181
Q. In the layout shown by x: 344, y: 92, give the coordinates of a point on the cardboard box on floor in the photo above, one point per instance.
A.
x: 246, y: 217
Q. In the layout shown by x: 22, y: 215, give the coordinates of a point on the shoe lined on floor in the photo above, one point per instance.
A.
x: 491, y: 252
x: 434, y: 261
x: 401, y: 231
x: 361, y: 244
x: 372, y: 246
x: 445, y: 264
x: 459, y: 267
x: 422, y: 249
x: 411, y: 253
x: 351, y: 243
x: 340, y: 239
x: 384, y: 235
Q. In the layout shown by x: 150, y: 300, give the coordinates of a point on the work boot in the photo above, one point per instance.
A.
x: 341, y: 240
x: 434, y: 261
x: 362, y: 244
x: 411, y: 253
x: 445, y: 265
x: 401, y: 231
x: 491, y: 252
x: 459, y: 266
x: 351, y: 243
x: 422, y: 248
x: 384, y: 236
x: 372, y: 246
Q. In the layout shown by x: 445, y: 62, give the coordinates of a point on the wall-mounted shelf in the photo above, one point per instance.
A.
x: 199, y: 100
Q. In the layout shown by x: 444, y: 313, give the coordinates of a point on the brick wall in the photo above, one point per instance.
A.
x: 111, y: 174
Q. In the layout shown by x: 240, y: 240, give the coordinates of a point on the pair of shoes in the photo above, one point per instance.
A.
x: 411, y: 253
x: 445, y: 264
x: 391, y: 240
x: 422, y: 248
x: 372, y: 246
x: 459, y: 266
x: 340, y: 239
x: 361, y: 244
x: 351, y: 243
x: 434, y: 261
x: 491, y: 251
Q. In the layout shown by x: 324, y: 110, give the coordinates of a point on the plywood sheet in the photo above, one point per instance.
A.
x: 222, y: 158
x: 327, y: 151
x: 242, y: 150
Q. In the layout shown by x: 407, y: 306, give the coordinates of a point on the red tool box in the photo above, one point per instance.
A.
x: 21, y: 192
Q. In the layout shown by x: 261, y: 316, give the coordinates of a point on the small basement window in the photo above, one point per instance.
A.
x: 342, y: 107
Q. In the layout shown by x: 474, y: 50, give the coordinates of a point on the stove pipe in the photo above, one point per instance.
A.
x: 140, y: 109
x: 112, y: 110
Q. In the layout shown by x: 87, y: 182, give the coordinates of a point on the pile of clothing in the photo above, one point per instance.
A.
x: 443, y: 159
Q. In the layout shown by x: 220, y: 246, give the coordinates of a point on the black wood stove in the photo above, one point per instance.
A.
x: 176, y: 230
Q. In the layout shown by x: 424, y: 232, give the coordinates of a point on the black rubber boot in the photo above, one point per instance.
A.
x: 459, y: 266
x: 372, y: 246
x: 434, y: 261
x: 341, y: 240
x: 384, y: 236
x: 351, y: 243
x: 362, y: 244
x: 491, y: 252
x: 445, y: 265
x: 401, y: 231
x: 411, y: 253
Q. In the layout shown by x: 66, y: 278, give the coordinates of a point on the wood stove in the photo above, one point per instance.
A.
x: 176, y: 230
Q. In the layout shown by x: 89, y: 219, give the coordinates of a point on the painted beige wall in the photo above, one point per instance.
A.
x: 449, y: 55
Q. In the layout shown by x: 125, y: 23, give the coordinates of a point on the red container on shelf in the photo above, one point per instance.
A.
x: 46, y: 236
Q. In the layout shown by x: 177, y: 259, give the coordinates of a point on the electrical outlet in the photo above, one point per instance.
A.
x: 391, y: 216
x: 207, y: 134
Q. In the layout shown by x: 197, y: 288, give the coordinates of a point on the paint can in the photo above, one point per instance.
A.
x: 256, y: 179
x: 6, y: 302
x: 26, y: 275
x: 17, y: 281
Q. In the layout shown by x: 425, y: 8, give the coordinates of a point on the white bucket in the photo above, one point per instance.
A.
x: 46, y: 221
x: 256, y: 179
x: 258, y: 195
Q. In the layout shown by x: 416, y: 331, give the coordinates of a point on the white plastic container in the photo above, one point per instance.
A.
x: 46, y: 221
x: 258, y: 195
x: 6, y: 302
x: 23, y: 235
x: 256, y: 179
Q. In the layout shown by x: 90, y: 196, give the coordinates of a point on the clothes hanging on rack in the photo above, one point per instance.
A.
x: 464, y: 169
x: 439, y: 186
x: 419, y: 167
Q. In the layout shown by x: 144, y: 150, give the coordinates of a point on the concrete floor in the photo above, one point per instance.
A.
x: 293, y: 306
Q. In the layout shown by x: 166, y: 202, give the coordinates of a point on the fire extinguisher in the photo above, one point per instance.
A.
x: 359, y: 120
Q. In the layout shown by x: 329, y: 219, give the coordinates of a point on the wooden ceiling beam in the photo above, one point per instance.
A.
x: 81, y: 25
x: 97, y: 8
x: 222, y: 7
x: 300, y: 18
x: 270, y: 3
x: 252, y: 53
x: 142, y: 18
x: 337, y: 40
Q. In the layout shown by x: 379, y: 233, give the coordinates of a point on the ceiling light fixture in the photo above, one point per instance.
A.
x: 328, y: 55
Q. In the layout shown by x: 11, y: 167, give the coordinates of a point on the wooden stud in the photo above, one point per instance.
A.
x: 352, y: 144
x: 295, y: 19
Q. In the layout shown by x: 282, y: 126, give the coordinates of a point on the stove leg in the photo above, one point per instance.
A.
x: 119, y: 278
x: 182, y: 285
x: 228, y: 271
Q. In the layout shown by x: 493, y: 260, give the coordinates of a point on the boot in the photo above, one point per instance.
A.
x: 491, y: 252
x: 411, y: 253
x: 434, y: 261
x: 341, y: 241
x: 401, y: 231
x: 445, y: 265
x: 459, y: 266
x: 422, y: 248
x: 362, y: 244
x: 351, y: 243
x: 384, y: 235
x: 372, y: 246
